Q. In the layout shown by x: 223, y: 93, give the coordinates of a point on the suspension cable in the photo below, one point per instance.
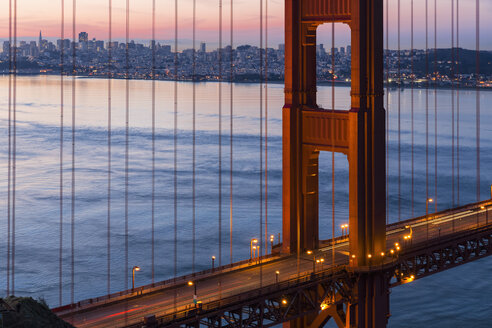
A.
x: 193, y: 197
x: 426, y: 100
x: 333, y: 141
x: 74, y: 72
x: 220, y: 132
x: 127, y: 134
x: 266, y: 126
x: 412, y: 81
x: 399, y: 112
x: 261, y: 140
x: 477, y: 61
x: 175, y: 146
x: 458, y: 101
x: 153, y: 142
x: 452, y: 107
x: 9, y: 170
x: 14, y: 149
x: 110, y: 55
x: 435, y: 106
x: 231, y: 128
x: 387, y: 110
x: 60, y: 250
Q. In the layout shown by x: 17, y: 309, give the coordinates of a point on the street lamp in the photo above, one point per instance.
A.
x: 195, y: 298
x: 255, y: 252
x: 253, y: 241
x: 344, y: 229
x: 272, y: 237
x: 409, y: 236
x: 277, y: 273
x: 429, y: 200
x: 135, y: 268
x: 314, y: 259
x: 213, y: 263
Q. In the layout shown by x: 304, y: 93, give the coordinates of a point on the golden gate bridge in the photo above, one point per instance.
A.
x: 304, y: 281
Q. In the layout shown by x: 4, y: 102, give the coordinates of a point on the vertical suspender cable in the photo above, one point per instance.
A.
x: 436, y: 73
x: 333, y: 141
x: 231, y: 126
x: 193, y: 197
x: 458, y: 102
x: 9, y: 170
x: 175, y: 145
x: 478, y: 94
x: 266, y: 126
x: 452, y: 106
x: 387, y: 109
x: 412, y: 106
x: 74, y: 72
x: 426, y: 100
x: 127, y: 134
x: 399, y: 115
x: 60, y: 250
x: 153, y: 141
x: 220, y: 132
x: 108, y: 236
x: 14, y: 147
x: 261, y: 139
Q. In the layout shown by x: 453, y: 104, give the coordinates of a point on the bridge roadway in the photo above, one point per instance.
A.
x: 133, y: 307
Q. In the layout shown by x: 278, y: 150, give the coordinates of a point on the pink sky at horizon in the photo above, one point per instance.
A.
x: 92, y: 17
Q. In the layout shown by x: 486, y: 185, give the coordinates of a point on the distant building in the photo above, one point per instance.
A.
x: 40, y: 42
x: 342, y: 50
x: 6, y: 46
x: 349, y: 50
x: 33, y: 49
x: 203, y: 47
x: 83, y: 37
x: 99, y: 45
x: 166, y: 49
x: 320, y: 50
x: 112, y: 45
x: 281, y: 47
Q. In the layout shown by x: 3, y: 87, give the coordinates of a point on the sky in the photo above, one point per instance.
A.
x: 92, y: 17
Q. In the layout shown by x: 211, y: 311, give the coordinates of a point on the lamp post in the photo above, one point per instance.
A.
x: 429, y: 200
x: 195, y: 298
x: 272, y: 238
x: 213, y: 263
x: 344, y: 229
x: 255, y: 252
x: 276, y: 276
x: 135, y: 268
x: 314, y: 259
x: 253, y: 241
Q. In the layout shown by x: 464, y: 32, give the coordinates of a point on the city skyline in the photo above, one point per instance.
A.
x: 246, y: 22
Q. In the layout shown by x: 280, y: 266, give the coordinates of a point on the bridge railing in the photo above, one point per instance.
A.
x: 169, y: 283
x: 212, y: 304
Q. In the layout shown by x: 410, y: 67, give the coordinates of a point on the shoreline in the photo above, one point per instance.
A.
x: 392, y: 86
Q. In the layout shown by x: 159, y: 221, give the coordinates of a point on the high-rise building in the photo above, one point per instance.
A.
x: 83, y: 37
x: 203, y: 47
x: 6, y: 47
x: 40, y: 42
x: 281, y: 47
x: 33, y: 49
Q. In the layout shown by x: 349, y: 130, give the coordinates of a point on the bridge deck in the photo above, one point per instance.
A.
x: 133, y: 307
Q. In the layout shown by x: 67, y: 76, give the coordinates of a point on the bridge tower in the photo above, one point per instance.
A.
x: 358, y: 132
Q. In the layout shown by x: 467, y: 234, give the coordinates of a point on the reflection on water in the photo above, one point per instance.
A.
x: 37, y: 198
